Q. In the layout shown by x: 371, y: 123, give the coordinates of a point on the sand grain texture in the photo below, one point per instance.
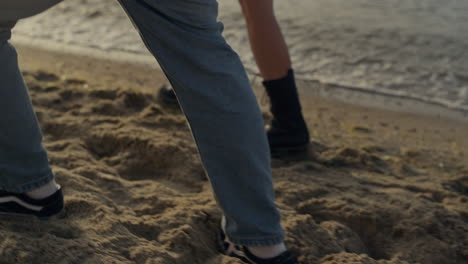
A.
x: 377, y: 188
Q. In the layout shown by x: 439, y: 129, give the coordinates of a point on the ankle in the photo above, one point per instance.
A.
x: 44, y: 191
x: 266, y: 252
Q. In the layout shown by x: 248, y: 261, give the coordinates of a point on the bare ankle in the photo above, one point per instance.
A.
x: 44, y: 191
x: 266, y: 252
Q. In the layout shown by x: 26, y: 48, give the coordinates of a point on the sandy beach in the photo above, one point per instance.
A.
x: 378, y: 187
x: 413, y: 49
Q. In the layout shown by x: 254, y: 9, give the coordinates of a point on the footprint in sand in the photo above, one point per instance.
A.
x: 45, y: 76
x: 137, y: 158
x: 148, y: 231
x: 103, y: 94
x: 459, y: 185
x: 80, y: 208
x: 134, y: 100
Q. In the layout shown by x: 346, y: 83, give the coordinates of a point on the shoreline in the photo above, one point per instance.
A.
x: 403, y: 50
x: 346, y: 94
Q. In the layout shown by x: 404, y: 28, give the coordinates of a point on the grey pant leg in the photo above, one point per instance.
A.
x: 215, y: 94
x: 23, y: 161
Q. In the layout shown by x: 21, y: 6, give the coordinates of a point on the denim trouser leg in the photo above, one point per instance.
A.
x: 215, y: 94
x: 23, y: 161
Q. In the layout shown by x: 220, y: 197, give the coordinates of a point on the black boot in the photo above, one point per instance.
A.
x: 288, y: 134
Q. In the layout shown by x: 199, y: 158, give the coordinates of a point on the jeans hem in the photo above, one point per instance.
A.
x: 29, y: 186
x: 258, y: 242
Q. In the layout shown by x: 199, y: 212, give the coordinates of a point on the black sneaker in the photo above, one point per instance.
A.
x: 228, y: 248
x: 17, y: 204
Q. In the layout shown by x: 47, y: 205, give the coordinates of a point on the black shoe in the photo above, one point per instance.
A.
x: 15, y: 204
x: 288, y: 141
x: 167, y: 96
x: 288, y: 134
x: 228, y: 248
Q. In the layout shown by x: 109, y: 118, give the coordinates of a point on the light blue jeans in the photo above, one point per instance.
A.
x: 215, y: 95
x: 23, y: 160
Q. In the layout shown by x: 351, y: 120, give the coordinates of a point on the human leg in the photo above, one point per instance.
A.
x: 23, y: 160
x: 216, y: 97
x: 266, y: 40
x: 288, y: 134
x: 25, y: 174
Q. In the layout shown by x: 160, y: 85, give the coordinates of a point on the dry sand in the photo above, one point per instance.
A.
x: 378, y: 187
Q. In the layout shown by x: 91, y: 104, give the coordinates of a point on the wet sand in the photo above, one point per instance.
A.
x: 411, y: 49
x: 377, y: 186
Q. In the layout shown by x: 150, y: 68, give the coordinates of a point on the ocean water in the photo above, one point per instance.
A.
x: 415, y: 49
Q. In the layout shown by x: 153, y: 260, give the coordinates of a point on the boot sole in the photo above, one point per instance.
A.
x: 17, y: 216
x: 290, y: 153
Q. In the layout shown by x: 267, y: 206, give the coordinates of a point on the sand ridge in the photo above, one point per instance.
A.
x: 377, y: 187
